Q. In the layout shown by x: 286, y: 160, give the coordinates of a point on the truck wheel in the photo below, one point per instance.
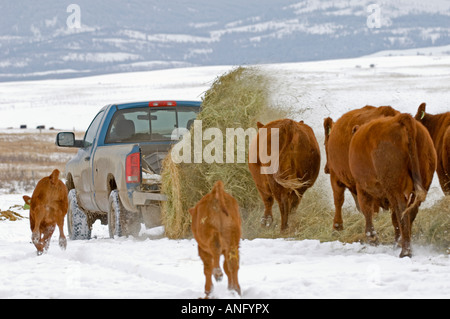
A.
x: 120, y: 221
x: 77, y: 223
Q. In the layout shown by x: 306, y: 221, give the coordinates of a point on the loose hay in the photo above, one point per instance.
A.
x: 237, y: 99
x: 10, y: 215
x: 432, y: 225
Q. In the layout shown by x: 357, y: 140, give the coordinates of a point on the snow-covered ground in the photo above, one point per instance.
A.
x: 156, y: 267
x: 163, y: 268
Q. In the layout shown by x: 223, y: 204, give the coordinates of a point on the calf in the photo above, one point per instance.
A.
x: 387, y: 166
x: 297, y: 166
x: 438, y: 126
x: 216, y: 225
x: 48, y: 206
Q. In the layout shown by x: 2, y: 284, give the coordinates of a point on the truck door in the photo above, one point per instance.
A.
x: 85, y: 187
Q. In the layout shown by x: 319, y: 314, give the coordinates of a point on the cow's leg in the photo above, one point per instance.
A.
x: 207, y: 270
x: 396, y: 225
x: 36, y: 234
x: 366, y: 204
x: 405, y: 226
x: 413, y: 210
x: 296, y: 199
x: 267, y: 219
x: 355, y: 198
x: 404, y: 217
x: 36, y: 239
x: 285, y: 208
x: 231, y: 267
x: 48, y: 232
x: 289, y: 204
x: 338, y: 195
x: 217, y: 272
x: 62, y: 238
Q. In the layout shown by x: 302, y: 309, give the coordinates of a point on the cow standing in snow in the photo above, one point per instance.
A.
x: 216, y: 225
x: 392, y: 160
x: 48, y: 206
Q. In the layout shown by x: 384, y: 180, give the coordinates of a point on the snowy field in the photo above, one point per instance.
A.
x: 163, y: 268
x: 155, y: 267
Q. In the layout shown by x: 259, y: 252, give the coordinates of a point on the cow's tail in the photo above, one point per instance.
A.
x: 294, y: 184
x: 288, y: 179
x: 218, y: 192
x: 54, y: 177
x: 408, y: 122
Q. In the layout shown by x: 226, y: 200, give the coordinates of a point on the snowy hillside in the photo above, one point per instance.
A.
x: 155, y: 267
x: 59, y: 39
x: 317, y: 89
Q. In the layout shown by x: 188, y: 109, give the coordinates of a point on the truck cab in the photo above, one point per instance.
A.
x: 114, y: 176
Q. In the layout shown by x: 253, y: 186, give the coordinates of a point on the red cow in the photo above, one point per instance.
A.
x: 439, y: 128
x: 296, y: 167
x: 387, y: 167
x: 48, y: 206
x: 216, y: 225
x: 337, y: 142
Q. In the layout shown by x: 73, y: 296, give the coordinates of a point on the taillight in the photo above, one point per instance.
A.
x: 133, y: 168
x: 162, y: 103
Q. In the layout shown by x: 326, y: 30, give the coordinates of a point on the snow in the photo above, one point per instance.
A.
x: 152, y: 266
x: 82, y: 98
x: 163, y: 268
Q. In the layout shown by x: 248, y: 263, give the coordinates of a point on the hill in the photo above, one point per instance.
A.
x: 55, y: 39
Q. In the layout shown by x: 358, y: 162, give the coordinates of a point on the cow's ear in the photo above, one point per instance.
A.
x: 259, y: 125
x: 354, y: 129
x: 27, y: 199
x: 301, y: 122
x: 327, y: 125
x: 420, y: 112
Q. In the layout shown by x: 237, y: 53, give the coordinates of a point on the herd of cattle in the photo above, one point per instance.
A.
x: 385, y: 158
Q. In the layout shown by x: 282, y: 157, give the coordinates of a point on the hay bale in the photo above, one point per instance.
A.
x: 237, y: 99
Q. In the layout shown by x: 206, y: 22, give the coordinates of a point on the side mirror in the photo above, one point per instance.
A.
x: 67, y: 139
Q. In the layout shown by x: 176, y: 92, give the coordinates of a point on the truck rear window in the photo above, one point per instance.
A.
x: 148, y: 124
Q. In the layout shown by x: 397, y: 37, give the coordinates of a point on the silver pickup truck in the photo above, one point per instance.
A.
x: 115, y: 175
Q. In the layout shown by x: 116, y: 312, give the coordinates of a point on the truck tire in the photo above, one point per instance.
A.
x: 120, y: 221
x: 77, y: 223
